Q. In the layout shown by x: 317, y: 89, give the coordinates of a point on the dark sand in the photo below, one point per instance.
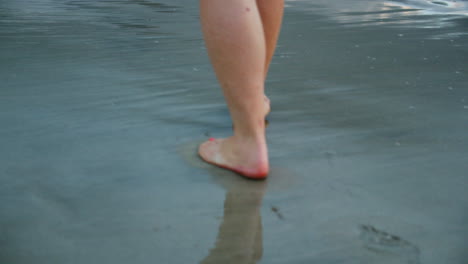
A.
x: 102, y: 105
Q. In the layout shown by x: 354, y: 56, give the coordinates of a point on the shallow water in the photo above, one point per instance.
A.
x: 102, y: 104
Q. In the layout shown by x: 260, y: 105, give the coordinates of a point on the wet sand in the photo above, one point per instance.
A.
x: 102, y: 105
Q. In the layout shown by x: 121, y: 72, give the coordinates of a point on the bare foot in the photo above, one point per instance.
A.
x: 248, y: 158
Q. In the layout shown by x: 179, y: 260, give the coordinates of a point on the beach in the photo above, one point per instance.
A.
x: 103, y: 105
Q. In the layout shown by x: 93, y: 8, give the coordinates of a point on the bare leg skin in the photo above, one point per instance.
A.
x: 235, y: 40
x: 240, y: 36
x: 271, y: 13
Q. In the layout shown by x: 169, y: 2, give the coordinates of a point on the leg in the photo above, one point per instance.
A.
x: 271, y: 13
x: 235, y: 41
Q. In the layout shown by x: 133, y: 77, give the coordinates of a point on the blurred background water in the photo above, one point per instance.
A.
x: 102, y: 104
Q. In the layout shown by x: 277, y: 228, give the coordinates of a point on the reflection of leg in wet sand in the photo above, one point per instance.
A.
x: 241, y: 38
x: 240, y: 234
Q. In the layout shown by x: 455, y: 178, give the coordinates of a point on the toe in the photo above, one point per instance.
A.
x: 203, y: 149
x: 207, y: 149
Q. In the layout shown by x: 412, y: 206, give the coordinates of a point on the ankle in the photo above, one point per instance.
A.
x: 251, y: 130
x: 256, y: 138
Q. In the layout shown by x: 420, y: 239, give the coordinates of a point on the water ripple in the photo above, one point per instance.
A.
x: 399, y: 13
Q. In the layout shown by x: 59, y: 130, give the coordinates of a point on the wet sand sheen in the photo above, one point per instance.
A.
x: 102, y: 105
